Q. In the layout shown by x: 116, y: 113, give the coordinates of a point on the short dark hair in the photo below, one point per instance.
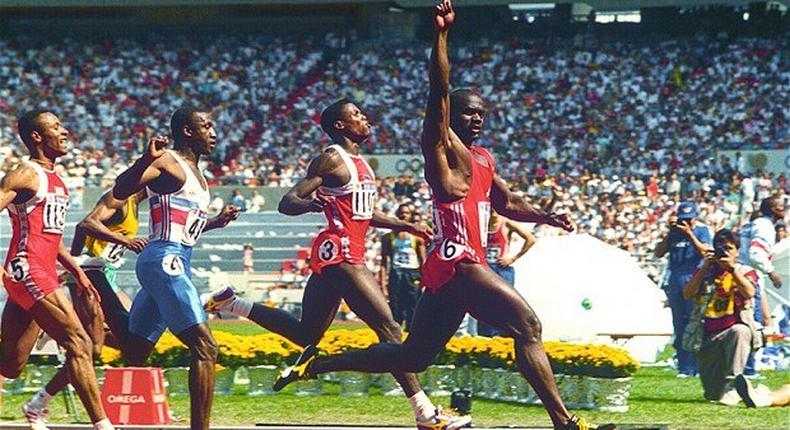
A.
x: 725, y: 236
x: 183, y: 116
x: 765, y: 205
x: 459, y: 95
x: 28, y: 123
x: 331, y: 114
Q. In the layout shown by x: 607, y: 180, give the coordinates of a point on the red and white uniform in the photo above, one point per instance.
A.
x: 498, y: 245
x: 461, y: 227
x: 38, y: 224
x: 348, y: 216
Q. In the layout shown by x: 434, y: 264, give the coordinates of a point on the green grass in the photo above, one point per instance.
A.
x: 245, y: 328
x: 657, y: 397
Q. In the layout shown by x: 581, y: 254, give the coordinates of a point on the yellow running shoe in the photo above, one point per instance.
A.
x: 445, y: 420
x: 298, y: 371
x: 579, y: 423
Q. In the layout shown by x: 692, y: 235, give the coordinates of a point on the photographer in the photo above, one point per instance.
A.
x: 723, y: 290
x: 686, y: 243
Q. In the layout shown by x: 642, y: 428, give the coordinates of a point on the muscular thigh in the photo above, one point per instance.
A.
x: 362, y: 293
x: 19, y: 333
x: 490, y: 299
x: 436, y: 319
x: 55, y: 315
x: 319, y: 306
x: 89, y: 313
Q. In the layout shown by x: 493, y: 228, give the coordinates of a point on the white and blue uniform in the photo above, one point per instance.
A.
x: 168, y: 298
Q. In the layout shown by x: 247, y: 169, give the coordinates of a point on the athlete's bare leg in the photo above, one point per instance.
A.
x: 491, y: 300
x: 363, y: 295
x: 436, y: 319
x: 319, y: 306
x: 204, y: 351
x: 20, y: 333
x: 56, y: 316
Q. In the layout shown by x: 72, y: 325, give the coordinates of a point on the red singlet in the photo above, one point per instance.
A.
x: 348, y: 216
x: 461, y: 226
x: 37, y: 226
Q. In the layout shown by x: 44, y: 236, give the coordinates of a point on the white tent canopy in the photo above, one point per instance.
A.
x: 581, y: 287
x: 781, y: 260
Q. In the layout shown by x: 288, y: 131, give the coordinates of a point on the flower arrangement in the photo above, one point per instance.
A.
x: 234, y: 351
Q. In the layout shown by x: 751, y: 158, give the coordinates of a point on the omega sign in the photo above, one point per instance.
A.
x: 125, y: 398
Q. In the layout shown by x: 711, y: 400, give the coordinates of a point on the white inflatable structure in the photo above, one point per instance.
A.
x: 781, y: 260
x: 586, y: 290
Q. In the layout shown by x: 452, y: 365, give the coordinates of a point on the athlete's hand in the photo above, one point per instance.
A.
x: 560, y: 221
x: 229, y: 213
x: 775, y: 279
x: 505, y: 261
x: 420, y: 230
x: 318, y: 203
x: 85, y: 286
x: 137, y: 244
x: 157, y: 146
x: 443, y: 15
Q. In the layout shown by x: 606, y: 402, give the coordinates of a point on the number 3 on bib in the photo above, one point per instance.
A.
x: 327, y: 250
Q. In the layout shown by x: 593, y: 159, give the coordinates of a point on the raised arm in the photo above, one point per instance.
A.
x: 144, y: 171
x: 515, y: 207
x: 298, y: 200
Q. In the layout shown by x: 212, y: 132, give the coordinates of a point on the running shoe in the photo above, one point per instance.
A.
x: 753, y: 398
x: 579, y: 423
x: 299, y: 371
x: 445, y: 420
x: 217, y: 299
x: 35, y: 417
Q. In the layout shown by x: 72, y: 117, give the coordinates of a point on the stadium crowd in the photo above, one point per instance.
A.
x: 623, y: 129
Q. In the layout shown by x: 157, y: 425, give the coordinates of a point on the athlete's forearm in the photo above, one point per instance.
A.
x: 439, y: 69
x: 293, y: 205
x: 131, y: 180
x: 517, y: 208
x: 98, y: 230
x: 380, y: 220
x: 68, y: 262
x: 78, y: 242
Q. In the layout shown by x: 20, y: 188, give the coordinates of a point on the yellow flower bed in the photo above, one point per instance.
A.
x: 234, y: 351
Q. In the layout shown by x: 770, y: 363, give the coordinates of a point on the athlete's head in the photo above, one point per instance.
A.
x: 467, y: 113
x: 772, y: 207
x: 404, y: 212
x: 42, y: 132
x: 343, y: 119
x: 193, y: 128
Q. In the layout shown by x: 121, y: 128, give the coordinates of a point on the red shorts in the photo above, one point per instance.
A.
x: 330, y: 248
x: 439, y: 266
x: 32, y: 288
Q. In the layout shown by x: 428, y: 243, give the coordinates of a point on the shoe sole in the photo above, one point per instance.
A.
x: 283, y: 381
x: 742, y: 387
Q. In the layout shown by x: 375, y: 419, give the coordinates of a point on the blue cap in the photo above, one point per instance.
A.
x: 687, y: 210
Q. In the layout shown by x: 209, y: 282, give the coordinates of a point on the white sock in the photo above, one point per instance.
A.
x: 422, y: 406
x: 104, y: 424
x: 238, y: 306
x: 40, y: 400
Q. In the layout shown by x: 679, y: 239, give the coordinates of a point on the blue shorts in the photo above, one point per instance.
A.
x: 167, y: 299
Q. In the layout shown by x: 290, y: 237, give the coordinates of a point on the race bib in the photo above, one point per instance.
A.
x: 172, y: 265
x: 328, y: 250
x: 363, y: 200
x: 493, y: 254
x: 18, y: 269
x: 196, y: 222
x: 113, y: 252
x: 450, y: 250
x: 484, y: 217
x: 55, y: 213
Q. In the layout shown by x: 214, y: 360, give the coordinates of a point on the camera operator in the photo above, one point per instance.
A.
x: 686, y: 243
x: 724, y: 290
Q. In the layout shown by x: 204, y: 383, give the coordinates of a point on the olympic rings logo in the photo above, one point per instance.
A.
x: 409, y: 165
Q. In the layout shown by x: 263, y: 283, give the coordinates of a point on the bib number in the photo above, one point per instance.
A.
x: 55, y: 214
x: 363, y: 201
x: 327, y: 251
x: 172, y: 265
x: 492, y: 255
x: 450, y: 250
x: 18, y: 268
x: 113, y: 252
x: 196, y: 222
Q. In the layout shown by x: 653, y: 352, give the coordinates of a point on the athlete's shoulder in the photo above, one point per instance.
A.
x: 328, y: 160
x: 22, y: 177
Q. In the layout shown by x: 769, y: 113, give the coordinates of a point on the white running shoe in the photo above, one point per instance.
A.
x: 35, y: 417
x: 445, y: 420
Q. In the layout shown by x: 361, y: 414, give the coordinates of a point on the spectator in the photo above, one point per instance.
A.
x: 723, y: 290
x: 238, y: 200
x: 687, y: 243
x: 247, y: 259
